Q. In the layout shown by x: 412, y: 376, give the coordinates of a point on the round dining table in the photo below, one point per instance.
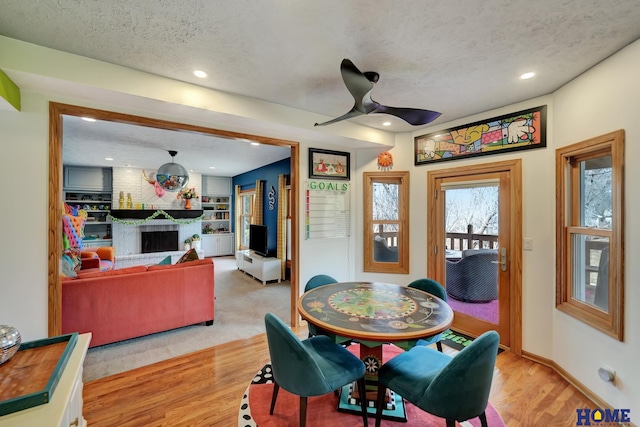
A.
x: 374, y: 314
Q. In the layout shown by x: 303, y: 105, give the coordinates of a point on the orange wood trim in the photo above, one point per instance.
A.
x: 54, y: 283
x: 568, y: 223
x: 57, y: 110
x: 402, y: 179
x: 435, y: 209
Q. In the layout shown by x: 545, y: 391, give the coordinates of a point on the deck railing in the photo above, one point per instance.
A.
x: 453, y: 241
x: 470, y: 240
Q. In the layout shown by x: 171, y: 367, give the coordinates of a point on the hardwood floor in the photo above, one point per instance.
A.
x: 205, y: 388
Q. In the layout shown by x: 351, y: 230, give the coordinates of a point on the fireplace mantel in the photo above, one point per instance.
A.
x: 146, y: 213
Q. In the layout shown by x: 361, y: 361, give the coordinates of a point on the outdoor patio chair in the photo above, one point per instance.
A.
x: 474, y: 278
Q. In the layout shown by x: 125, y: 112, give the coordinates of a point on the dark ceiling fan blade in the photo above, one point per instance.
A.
x: 360, y: 86
x: 350, y: 114
x: 357, y: 83
x: 413, y: 116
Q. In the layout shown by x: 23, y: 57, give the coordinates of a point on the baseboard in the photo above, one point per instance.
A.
x: 571, y: 380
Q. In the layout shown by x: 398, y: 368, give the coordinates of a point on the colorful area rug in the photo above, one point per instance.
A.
x: 458, y: 340
x: 321, y: 410
x: 487, y: 311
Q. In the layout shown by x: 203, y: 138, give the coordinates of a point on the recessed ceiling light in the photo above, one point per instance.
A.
x: 88, y: 119
x: 212, y: 167
x: 199, y: 73
x: 528, y: 75
x: 108, y: 158
x: 386, y: 124
x: 255, y: 143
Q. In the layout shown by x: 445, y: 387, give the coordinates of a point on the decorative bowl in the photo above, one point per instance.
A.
x: 9, y: 342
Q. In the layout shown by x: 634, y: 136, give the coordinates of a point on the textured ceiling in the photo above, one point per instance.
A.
x: 457, y: 57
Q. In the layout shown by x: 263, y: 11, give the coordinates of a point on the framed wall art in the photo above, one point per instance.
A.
x: 325, y: 164
x: 521, y: 130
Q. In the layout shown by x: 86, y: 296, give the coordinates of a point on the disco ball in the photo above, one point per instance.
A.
x: 9, y: 342
x: 172, y: 176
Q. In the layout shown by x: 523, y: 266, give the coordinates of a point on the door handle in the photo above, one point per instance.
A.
x: 503, y: 259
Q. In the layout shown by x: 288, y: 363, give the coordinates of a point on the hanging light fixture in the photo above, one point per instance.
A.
x: 172, y: 176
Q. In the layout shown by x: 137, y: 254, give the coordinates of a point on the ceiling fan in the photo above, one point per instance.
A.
x: 360, y: 86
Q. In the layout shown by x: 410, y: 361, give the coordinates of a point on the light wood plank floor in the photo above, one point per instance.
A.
x: 205, y: 388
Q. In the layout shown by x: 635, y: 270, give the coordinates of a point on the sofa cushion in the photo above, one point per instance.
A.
x: 194, y: 263
x: 128, y: 270
x: 190, y: 255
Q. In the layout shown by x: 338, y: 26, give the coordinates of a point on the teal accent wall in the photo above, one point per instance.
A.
x: 269, y: 174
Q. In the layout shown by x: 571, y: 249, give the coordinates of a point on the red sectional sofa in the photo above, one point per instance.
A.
x: 131, y: 302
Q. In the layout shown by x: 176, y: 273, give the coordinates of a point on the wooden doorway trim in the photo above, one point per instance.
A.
x: 514, y: 167
x: 57, y: 110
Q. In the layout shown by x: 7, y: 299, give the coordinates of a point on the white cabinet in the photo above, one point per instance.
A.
x: 262, y: 268
x: 217, y: 244
x: 65, y: 407
x: 225, y: 244
x: 216, y: 185
x: 84, y: 178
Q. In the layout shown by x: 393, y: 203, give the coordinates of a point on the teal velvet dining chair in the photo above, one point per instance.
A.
x: 434, y: 288
x: 314, y: 282
x: 454, y: 388
x: 312, y: 367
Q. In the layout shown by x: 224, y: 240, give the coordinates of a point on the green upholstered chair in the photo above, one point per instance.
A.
x: 436, y: 289
x: 312, y: 367
x: 314, y: 282
x: 454, y: 388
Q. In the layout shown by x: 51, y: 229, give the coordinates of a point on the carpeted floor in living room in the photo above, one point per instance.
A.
x: 240, y: 305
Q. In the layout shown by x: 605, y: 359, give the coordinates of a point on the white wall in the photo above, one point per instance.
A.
x: 65, y: 78
x: 604, y: 99
x: 23, y: 223
x: 538, y: 220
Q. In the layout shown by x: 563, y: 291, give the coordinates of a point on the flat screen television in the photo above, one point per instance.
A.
x: 258, y: 239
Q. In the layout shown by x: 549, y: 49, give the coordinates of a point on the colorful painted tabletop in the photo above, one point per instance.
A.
x: 372, y: 311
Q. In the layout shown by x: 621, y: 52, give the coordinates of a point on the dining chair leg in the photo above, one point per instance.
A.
x: 439, y: 345
x: 379, y: 403
x: 363, y: 400
x: 274, y: 396
x: 483, y: 419
x: 303, y: 411
x: 451, y: 422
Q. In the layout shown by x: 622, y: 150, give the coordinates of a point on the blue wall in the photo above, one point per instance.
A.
x: 269, y: 174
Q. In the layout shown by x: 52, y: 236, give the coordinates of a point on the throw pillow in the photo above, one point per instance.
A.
x: 190, y: 255
x: 66, y: 267
x: 166, y: 261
